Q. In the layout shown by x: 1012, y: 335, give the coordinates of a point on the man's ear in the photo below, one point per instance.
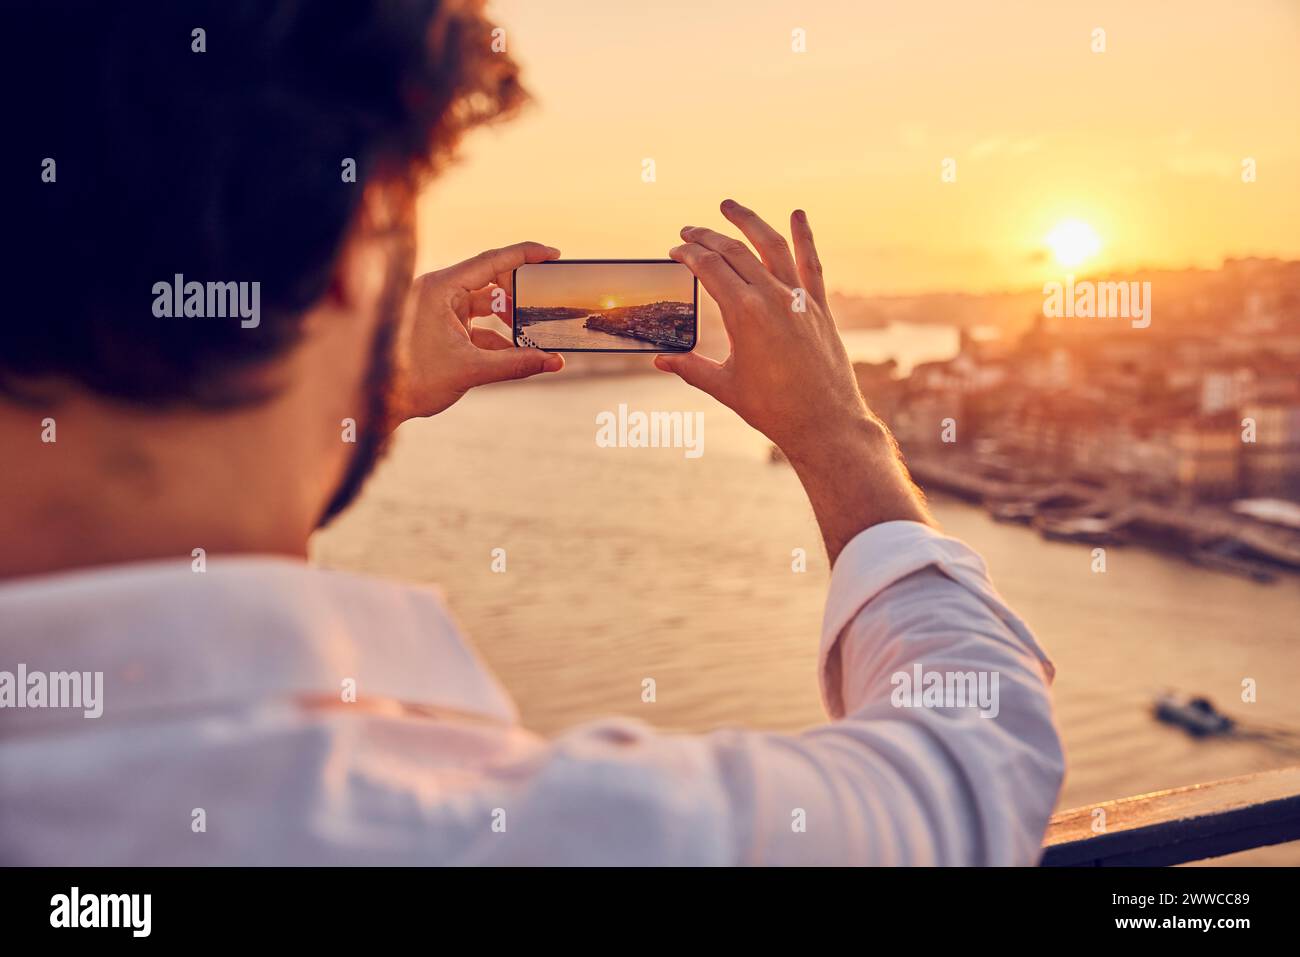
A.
x: 348, y: 283
x: 382, y: 227
x: 336, y: 293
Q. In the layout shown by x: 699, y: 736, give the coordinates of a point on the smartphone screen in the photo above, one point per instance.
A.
x: 606, y: 305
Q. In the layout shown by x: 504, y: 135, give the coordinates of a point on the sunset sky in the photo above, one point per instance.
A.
x: 603, y: 286
x: 1131, y: 157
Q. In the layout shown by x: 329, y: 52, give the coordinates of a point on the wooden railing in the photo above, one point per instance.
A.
x: 1179, y: 825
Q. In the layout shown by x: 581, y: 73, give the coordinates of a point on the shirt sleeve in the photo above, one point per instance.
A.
x: 908, y: 771
x: 943, y: 749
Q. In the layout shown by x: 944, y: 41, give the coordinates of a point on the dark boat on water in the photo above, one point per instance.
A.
x: 1195, y: 715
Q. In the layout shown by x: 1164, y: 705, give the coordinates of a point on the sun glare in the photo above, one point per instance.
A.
x: 609, y: 302
x: 1073, y: 242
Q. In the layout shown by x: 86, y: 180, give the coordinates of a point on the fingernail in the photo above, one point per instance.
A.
x: 728, y: 203
x: 803, y: 217
x: 685, y: 228
x: 554, y: 250
x: 553, y: 363
x: 661, y: 364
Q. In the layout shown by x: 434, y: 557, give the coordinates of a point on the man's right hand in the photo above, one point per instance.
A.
x: 789, y: 376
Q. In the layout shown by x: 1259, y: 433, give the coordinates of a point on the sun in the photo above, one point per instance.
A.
x: 609, y: 302
x: 1073, y: 242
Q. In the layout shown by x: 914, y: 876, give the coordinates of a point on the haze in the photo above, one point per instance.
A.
x: 602, y: 286
x: 1143, y: 143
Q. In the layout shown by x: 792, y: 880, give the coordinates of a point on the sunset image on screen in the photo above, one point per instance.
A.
x: 617, y: 307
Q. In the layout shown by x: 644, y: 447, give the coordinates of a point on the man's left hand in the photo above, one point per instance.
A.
x: 443, y: 355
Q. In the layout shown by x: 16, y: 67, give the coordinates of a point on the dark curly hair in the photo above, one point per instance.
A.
x: 222, y: 165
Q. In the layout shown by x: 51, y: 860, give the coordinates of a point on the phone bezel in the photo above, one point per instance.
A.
x: 695, y: 293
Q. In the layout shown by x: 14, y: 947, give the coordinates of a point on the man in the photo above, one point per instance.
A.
x: 165, y: 462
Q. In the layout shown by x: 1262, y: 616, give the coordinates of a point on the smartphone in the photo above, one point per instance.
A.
x: 606, y: 305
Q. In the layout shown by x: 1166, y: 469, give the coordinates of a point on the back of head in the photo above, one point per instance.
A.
x: 212, y: 141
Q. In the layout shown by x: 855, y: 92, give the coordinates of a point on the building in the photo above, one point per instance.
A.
x: 1207, y: 457
x: 1271, y: 463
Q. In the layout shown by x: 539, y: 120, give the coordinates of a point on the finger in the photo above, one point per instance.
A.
x: 499, y: 365
x: 770, y: 244
x: 736, y: 253
x: 481, y: 302
x: 718, y: 279
x: 696, y: 370
x: 496, y: 265
x: 489, y: 339
x: 805, y: 252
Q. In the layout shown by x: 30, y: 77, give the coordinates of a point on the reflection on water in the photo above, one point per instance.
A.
x: 624, y: 564
x: 906, y: 344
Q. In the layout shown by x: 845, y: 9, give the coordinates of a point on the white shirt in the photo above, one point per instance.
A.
x: 225, y: 739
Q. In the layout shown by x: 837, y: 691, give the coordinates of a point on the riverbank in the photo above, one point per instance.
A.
x: 1211, y: 535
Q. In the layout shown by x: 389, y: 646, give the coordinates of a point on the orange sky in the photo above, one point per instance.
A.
x: 601, y: 286
x: 1144, y: 142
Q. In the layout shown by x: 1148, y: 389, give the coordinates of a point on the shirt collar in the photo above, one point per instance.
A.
x: 247, y: 629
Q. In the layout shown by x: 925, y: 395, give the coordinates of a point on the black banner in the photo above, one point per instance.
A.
x: 333, y: 906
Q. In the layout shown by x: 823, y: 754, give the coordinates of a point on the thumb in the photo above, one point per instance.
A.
x: 694, y: 369
x: 498, y: 365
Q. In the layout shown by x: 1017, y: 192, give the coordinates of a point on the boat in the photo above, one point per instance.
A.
x: 1224, y: 561
x: 1195, y: 715
x: 1016, y: 513
x: 1087, y: 530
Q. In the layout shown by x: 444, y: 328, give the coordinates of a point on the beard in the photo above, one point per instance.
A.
x: 380, y: 418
